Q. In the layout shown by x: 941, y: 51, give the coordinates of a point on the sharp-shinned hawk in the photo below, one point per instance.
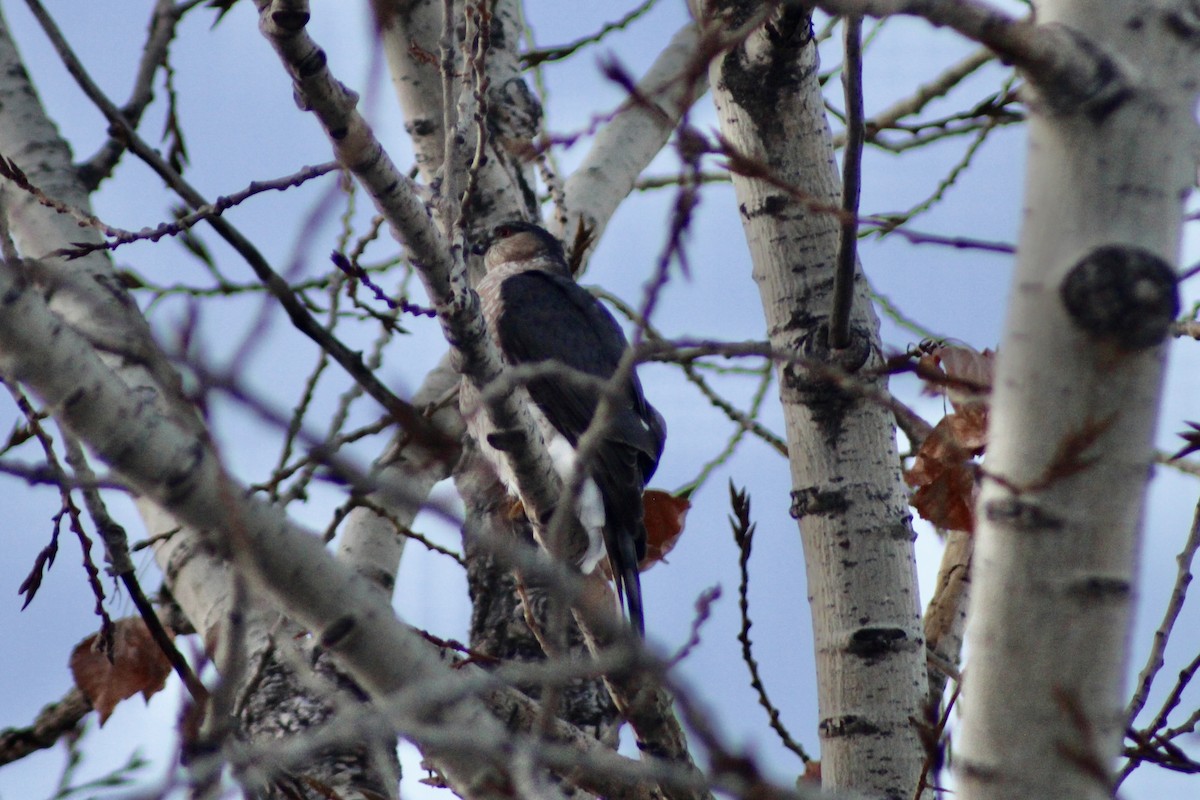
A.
x: 536, y: 313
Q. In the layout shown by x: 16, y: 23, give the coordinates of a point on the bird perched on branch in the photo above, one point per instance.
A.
x: 537, y: 314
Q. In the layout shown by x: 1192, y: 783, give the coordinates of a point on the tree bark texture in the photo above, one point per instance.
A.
x: 847, y: 492
x: 1076, y: 395
x: 87, y: 295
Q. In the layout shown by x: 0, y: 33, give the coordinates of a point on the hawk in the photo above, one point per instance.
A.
x: 535, y: 313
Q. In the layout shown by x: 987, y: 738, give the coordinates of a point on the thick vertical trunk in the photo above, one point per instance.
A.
x: 847, y: 492
x: 1076, y: 394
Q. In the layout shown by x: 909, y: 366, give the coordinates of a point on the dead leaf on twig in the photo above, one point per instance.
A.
x: 138, y: 665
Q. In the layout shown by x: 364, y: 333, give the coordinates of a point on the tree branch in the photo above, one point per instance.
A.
x: 56, y: 720
x: 301, y: 318
x: 1069, y: 71
x: 163, y: 22
x: 178, y: 469
x: 847, y: 254
x: 634, y: 136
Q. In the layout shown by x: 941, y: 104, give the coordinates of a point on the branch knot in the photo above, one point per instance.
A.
x: 1124, y: 294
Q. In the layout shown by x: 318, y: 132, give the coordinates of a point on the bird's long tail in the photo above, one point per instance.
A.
x: 629, y: 582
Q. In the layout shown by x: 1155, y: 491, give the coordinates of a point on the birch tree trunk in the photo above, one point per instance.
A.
x: 87, y: 294
x: 847, y: 493
x: 1076, y: 398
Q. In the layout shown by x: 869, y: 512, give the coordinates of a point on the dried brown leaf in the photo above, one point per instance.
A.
x: 943, y: 471
x: 959, y: 371
x: 138, y: 665
x: 665, y: 516
x: 947, y: 498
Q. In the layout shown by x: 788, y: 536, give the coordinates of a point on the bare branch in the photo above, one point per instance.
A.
x: 634, y: 136
x: 847, y: 254
x: 926, y: 93
x: 163, y: 22
x: 349, y: 360
x: 743, y: 535
x: 1069, y: 71
x: 208, y: 211
x: 544, y: 54
x: 1154, y: 661
x: 56, y: 720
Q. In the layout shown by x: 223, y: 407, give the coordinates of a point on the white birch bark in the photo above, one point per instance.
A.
x: 1076, y: 396
x: 177, y: 468
x: 407, y: 472
x: 409, y: 32
x: 87, y: 294
x: 630, y: 140
x: 847, y: 491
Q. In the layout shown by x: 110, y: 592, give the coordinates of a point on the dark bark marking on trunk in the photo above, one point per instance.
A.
x: 1122, y: 294
x: 848, y: 725
x: 876, y: 644
x: 1022, y: 515
x: 811, y: 501
x: 761, y: 88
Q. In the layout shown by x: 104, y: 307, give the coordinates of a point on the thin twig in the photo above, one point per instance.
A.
x: 935, y: 754
x: 703, y: 611
x: 534, y: 58
x: 957, y: 242
x: 1184, y: 465
x: 164, y: 20
x: 950, y: 130
x: 1150, y: 739
x: 743, y: 535
x: 750, y: 424
x: 746, y: 420
x: 75, y: 521
x: 928, y: 92
x: 300, y: 410
x: 116, y: 546
x: 119, y: 236
x: 847, y: 257
x: 43, y: 474
x: 408, y: 417
x: 409, y: 533
x: 1155, y: 660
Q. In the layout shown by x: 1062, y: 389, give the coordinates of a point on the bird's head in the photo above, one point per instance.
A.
x: 524, y: 242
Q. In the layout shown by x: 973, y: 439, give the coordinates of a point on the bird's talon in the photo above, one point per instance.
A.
x: 515, y: 510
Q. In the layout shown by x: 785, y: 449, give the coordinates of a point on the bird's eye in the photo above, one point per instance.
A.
x: 504, y: 231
